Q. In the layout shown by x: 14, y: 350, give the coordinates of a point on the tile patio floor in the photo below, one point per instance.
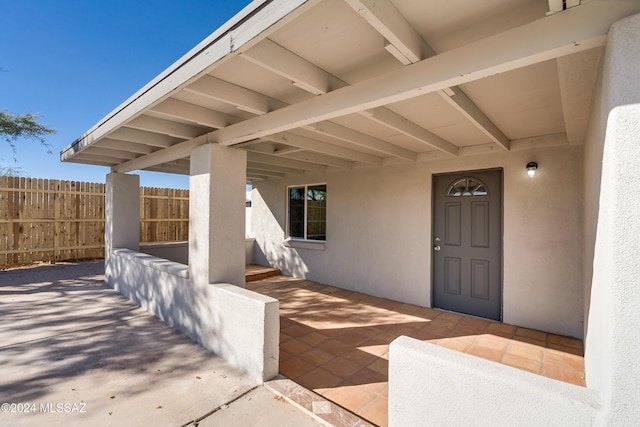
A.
x: 336, y: 342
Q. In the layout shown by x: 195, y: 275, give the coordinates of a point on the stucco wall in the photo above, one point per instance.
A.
x: 431, y: 385
x: 379, y: 233
x: 239, y: 325
x: 612, y: 348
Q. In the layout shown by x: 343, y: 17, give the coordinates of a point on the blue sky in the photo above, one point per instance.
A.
x: 73, y: 61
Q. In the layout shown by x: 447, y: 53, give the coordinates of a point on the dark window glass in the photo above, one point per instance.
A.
x: 296, y: 212
x: 316, y: 212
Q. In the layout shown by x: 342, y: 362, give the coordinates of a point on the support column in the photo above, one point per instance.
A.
x: 122, y: 215
x: 612, y: 356
x: 216, y: 215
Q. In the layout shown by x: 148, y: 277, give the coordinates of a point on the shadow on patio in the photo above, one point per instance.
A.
x: 336, y: 342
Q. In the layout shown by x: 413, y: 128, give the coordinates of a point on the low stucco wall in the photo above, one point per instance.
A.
x: 239, y: 325
x: 173, y: 251
x: 437, y: 386
x: 379, y: 235
x: 179, y: 251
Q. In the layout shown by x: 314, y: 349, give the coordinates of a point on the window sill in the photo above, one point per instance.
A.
x: 305, y: 244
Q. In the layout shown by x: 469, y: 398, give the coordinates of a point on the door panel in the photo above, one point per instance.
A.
x: 467, y: 232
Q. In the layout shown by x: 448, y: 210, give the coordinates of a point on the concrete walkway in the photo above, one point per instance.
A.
x: 74, y: 352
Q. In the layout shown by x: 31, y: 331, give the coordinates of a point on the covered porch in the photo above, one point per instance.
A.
x: 335, y: 342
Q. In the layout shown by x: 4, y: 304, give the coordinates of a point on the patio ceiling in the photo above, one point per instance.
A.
x: 309, y: 86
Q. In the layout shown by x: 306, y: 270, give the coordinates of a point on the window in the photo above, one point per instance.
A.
x: 308, y: 212
x: 467, y: 187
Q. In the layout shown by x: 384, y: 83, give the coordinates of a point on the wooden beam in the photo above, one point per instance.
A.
x: 402, y: 40
x: 143, y: 137
x: 409, y: 47
x: 580, y: 28
x: 165, y: 127
x: 322, y: 147
x: 575, y: 73
x: 577, y: 29
x: 131, y: 147
x: 269, y: 167
x: 265, y: 172
x: 363, y: 140
x: 285, y: 162
x: 465, y: 106
x: 173, y: 108
x: 110, y: 152
x: 279, y: 60
x: 407, y: 127
x: 321, y: 159
x: 241, y: 98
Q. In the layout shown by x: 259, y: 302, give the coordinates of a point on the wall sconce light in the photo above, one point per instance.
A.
x: 532, y: 167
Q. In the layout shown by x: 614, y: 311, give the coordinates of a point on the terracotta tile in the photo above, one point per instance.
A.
x: 563, y: 360
x: 454, y: 344
x: 335, y: 347
x: 295, y: 367
x: 314, y: 338
x: 527, y: 351
x: 449, y: 317
x: 485, y: 352
x: 424, y: 335
x: 342, y: 367
x: 381, y: 366
x: 331, y: 332
x: 407, y: 308
x: 568, y: 350
x: 295, y: 346
x: 439, y: 329
x: 376, y: 411
x: 296, y: 331
x: 353, y: 338
x: 501, y: 329
x: 316, y: 356
x: 474, y: 324
x: 528, y: 340
x: 492, y: 341
x: 565, y: 341
x: 351, y: 397
x: 561, y: 374
x: 426, y: 313
x: 400, y: 330
x: 359, y: 356
x: 463, y: 331
x: 284, y: 338
x: 375, y: 350
x: 367, y: 376
x: 522, y: 363
x: 530, y: 333
x: 318, y: 378
x: 284, y: 355
x: 376, y: 387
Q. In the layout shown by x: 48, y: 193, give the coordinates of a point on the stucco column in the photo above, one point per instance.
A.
x: 122, y: 226
x: 612, y: 356
x: 216, y: 215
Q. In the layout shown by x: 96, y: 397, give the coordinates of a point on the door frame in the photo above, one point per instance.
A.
x: 431, y: 243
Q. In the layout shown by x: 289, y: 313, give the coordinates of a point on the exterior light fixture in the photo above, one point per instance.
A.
x: 532, y: 167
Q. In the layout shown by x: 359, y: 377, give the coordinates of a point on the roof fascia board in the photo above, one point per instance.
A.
x: 249, y: 23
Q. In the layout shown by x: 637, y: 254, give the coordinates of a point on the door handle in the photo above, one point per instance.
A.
x: 436, y: 248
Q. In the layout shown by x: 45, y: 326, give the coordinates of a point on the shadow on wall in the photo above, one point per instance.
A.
x: 58, y: 331
x: 269, y: 233
x: 171, y: 298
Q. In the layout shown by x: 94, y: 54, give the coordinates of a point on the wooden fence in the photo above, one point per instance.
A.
x: 52, y: 220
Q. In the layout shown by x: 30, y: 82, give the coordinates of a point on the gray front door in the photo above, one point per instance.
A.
x: 467, y: 243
